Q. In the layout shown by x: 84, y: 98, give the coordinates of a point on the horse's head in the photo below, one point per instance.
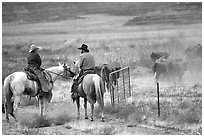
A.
x: 67, y: 72
x: 76, y: 67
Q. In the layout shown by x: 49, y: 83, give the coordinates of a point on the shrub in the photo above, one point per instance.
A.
x: 110, y: 130
x: 30, y: 131
x: 188, y: 116
x: 36, y: 122
x: 61, y: 119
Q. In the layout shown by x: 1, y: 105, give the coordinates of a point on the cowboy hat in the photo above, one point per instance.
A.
x: 84, y: 47
x: 34, y: 47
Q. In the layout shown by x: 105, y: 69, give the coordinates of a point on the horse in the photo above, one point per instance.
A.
x: 92, y: 90
x: 104, y: 71
x: 18, y: 84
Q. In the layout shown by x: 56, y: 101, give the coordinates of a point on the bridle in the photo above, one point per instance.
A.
x: 64, y: 75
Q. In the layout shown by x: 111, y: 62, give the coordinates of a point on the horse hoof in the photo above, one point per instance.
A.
x: 86, y: 117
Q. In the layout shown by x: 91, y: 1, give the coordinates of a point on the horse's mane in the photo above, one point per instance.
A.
x: 52, y: 68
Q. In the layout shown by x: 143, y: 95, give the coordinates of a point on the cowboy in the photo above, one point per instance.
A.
x: 34, y: 65
x: 86, y: 63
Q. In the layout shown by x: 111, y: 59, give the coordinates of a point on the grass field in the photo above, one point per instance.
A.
x: 125, y: 34
x: 125, y: 44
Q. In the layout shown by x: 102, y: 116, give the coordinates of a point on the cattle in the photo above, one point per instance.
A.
x: 104, y: 71
x: 199, y: 52
x: 193, y: 52
x: 157, y: 55
x: 169, y: 70
x: 195, y: 67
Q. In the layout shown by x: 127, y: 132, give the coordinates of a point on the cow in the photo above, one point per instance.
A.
x: 169, y: 70
x: 199, y: 52
x: 193, y: 52
x: 195, y: 67
x: 104, y: 71
x: 157, y: 55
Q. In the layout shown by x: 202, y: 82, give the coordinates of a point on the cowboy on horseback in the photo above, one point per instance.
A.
x: 34, y: 66
x: 86, y: 64
x: 87, y: 85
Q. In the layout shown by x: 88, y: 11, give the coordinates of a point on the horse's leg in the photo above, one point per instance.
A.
x: 108, y: 85
x: 13, y: 116
x: 78, y: 107
x: 37, y: 99
x: 41, y: 106
x: 92, y: 111
x: 101, y: 105
x: 6, y: 113
x: 45, y: 103
x: 16, y: 104
x: 85, y: 107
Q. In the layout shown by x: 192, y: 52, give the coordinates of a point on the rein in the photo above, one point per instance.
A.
x: 57, y: 74
x: 54, y: 73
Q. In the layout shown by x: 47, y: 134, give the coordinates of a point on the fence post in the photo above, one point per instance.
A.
x: 117, y: 91
x: 158, y: 99
x: 111, y: 90
x: 123, y: 83
x: 129, y: 81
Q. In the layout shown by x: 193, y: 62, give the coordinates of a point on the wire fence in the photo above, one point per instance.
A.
x: 184, y: 89
x: 121, y: 88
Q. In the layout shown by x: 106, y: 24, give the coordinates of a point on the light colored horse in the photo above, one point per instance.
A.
x: 17, y: 84
x: 92, y: 90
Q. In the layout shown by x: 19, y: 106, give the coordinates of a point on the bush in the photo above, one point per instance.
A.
x: 188, y: 116
x: 107, y: 131
x: 61, y: 119
x: 36, y: 122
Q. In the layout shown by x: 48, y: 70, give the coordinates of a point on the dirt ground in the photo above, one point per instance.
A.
x: 82, y: 126
x: 62, y: 104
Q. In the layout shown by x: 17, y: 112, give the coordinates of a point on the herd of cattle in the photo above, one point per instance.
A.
x: 175, y: 69
x: 163, y: 67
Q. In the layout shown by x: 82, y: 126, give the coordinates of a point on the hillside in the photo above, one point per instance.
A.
x: 21, y: 13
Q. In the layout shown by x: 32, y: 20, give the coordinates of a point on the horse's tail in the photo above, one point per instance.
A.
x: 8, y: 106
x: 99, y: 90
x: 105, y: 76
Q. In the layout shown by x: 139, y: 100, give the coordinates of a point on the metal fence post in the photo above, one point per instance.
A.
x: 123, y: 83
x: 111, y: 90
x: 117, y: 91
x: 129, y: 81
x: 158, y: 99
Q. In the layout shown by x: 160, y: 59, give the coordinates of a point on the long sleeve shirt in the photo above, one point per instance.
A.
x: 34, y: 60
x: 86, y: 61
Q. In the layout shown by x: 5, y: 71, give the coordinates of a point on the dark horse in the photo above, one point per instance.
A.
x: 92, y: 90
x: 104, y: 71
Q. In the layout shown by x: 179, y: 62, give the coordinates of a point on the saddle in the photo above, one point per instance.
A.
x: 84, y: 74
x: 77, y: 82
x: 43, y: 79
x: 31, y: 75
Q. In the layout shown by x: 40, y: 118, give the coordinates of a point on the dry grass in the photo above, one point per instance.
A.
x: 38, y: 121
x: 174, y: 108
x: 61, y: 119
x: 107, y: 131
